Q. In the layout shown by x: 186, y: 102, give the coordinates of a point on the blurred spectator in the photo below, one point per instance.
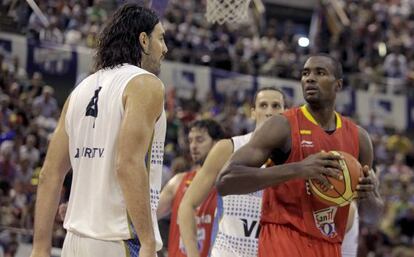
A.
x: 29, y: 150
x: 46, y: 104
x: 399, y: 143
x: 35, y: 86
x: 405, y: 226
x: 8, y: 168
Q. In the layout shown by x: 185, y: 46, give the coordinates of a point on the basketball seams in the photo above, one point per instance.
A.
x: 348, y: 184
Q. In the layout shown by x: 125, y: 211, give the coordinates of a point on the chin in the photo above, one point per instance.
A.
x: 311, y: 99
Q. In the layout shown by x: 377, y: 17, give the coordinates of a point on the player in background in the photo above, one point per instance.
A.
x: 237, y: 218
x: 202, y: 136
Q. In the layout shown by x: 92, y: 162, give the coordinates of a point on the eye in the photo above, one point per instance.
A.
x: 321, y: 73
x: 305, y: 73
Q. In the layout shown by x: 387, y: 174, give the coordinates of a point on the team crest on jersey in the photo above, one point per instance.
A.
x: 325, y: 221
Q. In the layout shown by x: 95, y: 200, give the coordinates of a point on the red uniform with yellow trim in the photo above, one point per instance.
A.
x: 294, y: 223
x: 204, y: 217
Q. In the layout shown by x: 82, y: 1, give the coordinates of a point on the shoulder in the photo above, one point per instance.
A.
x: 175, y: 182
x: 223, y: 146
x: 147, y: 82
x: 277, y: 124
x: 179, y: 177
x: 363, y: 134
x: 145, y: 87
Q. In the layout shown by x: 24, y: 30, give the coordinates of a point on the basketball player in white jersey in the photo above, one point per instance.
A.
x: 111, y: 133
x: 237, y: 217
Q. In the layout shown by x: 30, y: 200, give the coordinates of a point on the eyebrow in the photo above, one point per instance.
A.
x: 315, y: 68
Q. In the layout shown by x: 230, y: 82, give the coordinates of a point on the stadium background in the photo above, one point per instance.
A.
x: 212, y: 71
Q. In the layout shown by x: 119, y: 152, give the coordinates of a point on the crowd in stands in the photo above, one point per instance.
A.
x: 376, y: 48
x: 29, y: 111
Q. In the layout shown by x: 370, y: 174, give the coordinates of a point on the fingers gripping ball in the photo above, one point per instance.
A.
x: 343, y: 191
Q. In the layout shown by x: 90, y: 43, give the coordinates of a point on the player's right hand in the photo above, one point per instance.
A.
x: 319, y: 166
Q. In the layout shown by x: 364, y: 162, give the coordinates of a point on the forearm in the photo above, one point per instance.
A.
x: 47, y: 200
x: 188, y: 228
x: 371, y: 209
x: 237, y: 179
x: 134, y: 182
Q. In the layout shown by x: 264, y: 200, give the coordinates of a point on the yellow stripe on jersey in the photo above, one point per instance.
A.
x: 305, y: 132
x: 309, y: 116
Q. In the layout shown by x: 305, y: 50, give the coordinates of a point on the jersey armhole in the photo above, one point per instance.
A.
x: 232, y: 144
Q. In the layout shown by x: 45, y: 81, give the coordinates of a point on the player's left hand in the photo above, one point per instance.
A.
x: 368, y: 184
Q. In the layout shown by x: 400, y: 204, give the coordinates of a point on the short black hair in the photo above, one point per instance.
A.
x: 337, y: 66
x: 253, y: 103
x: 214, y: 129
x: 118, y: 42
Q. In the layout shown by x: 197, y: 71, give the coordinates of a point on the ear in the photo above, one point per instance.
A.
x: 144, y: 41
x: 253, y: 113
x: 339, y: 83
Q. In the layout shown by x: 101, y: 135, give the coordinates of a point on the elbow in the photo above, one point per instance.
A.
x: 124, y: 166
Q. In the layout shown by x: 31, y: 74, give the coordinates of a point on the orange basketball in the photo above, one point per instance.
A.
x: 343, y: 191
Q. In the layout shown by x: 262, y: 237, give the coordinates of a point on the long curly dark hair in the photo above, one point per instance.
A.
x: 119, y: 41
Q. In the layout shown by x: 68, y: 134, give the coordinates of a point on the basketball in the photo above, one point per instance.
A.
x: 343, y: 191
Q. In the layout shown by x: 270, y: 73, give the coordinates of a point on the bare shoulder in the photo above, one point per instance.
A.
x: 145, y: 92
x: 223, y: 146
x: 174, y: 182
x: 145, y: 85
x: 363, y: 134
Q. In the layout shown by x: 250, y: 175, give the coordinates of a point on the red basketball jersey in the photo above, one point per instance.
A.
x: 291, y: 203
x: 204, y: 217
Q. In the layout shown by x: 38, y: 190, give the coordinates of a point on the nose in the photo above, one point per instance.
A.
x: 269, y: 112
x: 193, y: 146
x: 310, y: 78
x: 165, y: 49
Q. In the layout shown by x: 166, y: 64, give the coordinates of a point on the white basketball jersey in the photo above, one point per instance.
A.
x: 236, y: 228
x: 96, y: 206
x: 349, y: 246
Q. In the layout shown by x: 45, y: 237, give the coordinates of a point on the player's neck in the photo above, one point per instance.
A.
x: 324, y: 116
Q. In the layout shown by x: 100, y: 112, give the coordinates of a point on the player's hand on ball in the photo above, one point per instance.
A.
x: 320, y: 165
x: 367, y: 184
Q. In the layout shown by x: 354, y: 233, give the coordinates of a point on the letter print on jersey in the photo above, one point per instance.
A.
x: 92, y: 108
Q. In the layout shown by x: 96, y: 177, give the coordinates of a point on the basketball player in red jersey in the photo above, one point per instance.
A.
x: 294, y: 223
x: 202, y: 137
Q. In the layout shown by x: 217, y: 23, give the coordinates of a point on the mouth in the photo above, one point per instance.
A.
x: 311, y: 90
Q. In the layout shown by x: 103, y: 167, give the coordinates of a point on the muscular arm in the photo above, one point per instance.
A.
x: 370, y: 203
x: 242, y: 173
x: 198, y: 191
x: 167, y: 196
x: 143, y: 103
x: 55, y: 167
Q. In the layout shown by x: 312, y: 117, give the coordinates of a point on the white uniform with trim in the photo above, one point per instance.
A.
x: 236, y: 228
x: 96, y: 206
x: 349, y: 246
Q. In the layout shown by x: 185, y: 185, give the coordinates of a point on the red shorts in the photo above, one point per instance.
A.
x: 281, y: 241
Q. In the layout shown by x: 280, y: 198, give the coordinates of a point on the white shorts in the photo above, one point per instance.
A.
x: 80, y: 246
